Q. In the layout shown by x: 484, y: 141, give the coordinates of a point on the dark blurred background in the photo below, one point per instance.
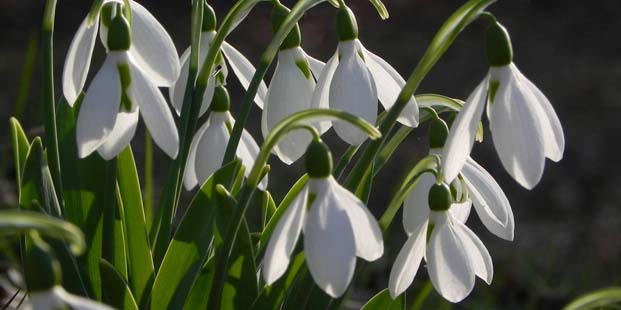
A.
x: 568, y: 229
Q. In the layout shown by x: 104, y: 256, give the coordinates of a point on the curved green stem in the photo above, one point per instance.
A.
x: 49, y: 104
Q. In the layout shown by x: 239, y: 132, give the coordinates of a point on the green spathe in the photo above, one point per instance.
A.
x: 294, y: 38
x: 438, y: 131
x: 119, y: 34
x: 221, y: 101
x: 346, y: 25
x: 440, y: 198
x: 209, y: 19
x: 318, y: 160
x: 498, y: 48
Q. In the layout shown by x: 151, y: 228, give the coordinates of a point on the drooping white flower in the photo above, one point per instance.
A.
x: 290, y: 90
x: 337, y: 228
x: 524, y: 126
x: 354, y: 79
x: 57, y: 298
x: 152, y: 49
x: 242, y: 67
x: 209, y: 145
x: 454, y: 254
x: 119, y: 92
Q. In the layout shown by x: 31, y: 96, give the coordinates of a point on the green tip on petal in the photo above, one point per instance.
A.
x: 279, y: 13
x: 318, y: 160
x: 498, y: 49
x: 42, y: 270
x: 221, y: 101
x: 438, y: 131
x: 440, y: 198
x: 119, y: 34
x: 209, y: 19
x: 346, y: 24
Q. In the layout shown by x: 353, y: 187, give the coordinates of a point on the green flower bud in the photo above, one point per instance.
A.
x: 498, y: 48
x: 42, y: 270
x: 346, y: 24
x: 440, y: 198
x: 209, y: 19
x: 294, y: 38
x: 438, y: 131
x: 119, y: 34
x: 221, y: 102
x: 318, y: 160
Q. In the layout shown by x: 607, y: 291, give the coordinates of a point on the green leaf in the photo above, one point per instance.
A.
x: 37, y: 189
x: 383, y: 301
x: 116, y: 293
x: 198, y: 298
x: 364, y: 187
x: 89, y: 188
x: 187, y: 251
x: 21, y: 146
x: 117, y: 253
x: 273, y: 221
x: 240, y: 286
x: 429, y: 163
x: 600, y: 299
x: 17, y: 221
x: 140, y: 262
x: 268, y: 208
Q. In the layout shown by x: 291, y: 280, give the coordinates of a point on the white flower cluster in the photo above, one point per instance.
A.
x: 337, y: 226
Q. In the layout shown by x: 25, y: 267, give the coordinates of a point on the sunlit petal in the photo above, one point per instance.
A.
x: 78, y: 61
x: 407, y: 262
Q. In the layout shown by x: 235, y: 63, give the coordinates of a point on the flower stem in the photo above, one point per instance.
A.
x: 49, y: 105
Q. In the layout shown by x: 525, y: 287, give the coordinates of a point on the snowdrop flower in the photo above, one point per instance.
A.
x: 241, y: 66
x: 120, y: 91
x: 43, y: 278
x: 525, y: 129
x: 290, y: 90
x: 152, y: 50
x: 454, y: 254
x: 209, y: 144
x: 337, y: 227
x: 354, y: 79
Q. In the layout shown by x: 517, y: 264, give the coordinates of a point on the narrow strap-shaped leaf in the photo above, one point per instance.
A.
x: 118, y: 254
x: 274, y: 294
x: 140, y: 261
x: 89, y: 187
x: 21, y: 146
x: 198, y: 299
x: 37, y: 188
x: 187, y: 251
x: 116, y: 293
x: 383, y: 301
x: 606, y: 298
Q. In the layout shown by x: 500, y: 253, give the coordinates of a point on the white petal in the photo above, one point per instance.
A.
x: 290, y: 91
x: 552, y: 131
x: 210, y: 150
x: 45, y: 300
x: 244, y: 70
x: 80, y: 303
x: 100, y: 108
x: 368, y: 235
x: 78, y: 61
x: 152, y: 48
x: 248, y: 150
x: 480, y: 260
x: 321, y: 94
x: 316, y: 65
x: 189, y: 177
x: 155, y: 112
x: 515, y: 131
x: 284, y: 238
x: 416, y: 204
x: 489, y: 201
x: 329, y: 246
x: 448, y: 264
x: 353, y: 90
x: 177, y: 90
x: 463, y: 131
x: 407, y: 262
x: 389, y: 84
x: 120, y: 136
